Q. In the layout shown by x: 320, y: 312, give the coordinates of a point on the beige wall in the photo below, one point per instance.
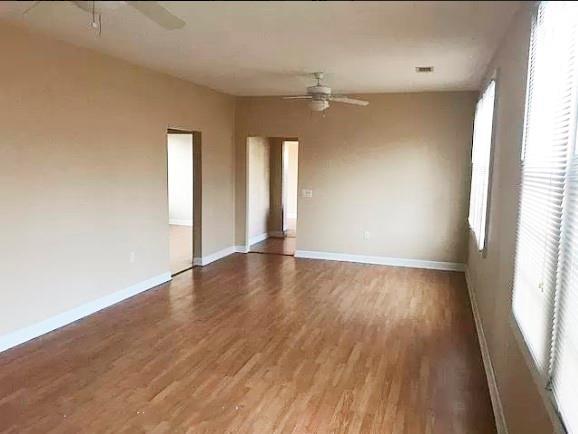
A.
x: 276, y: 186
x: 258, y: 151
x: 83, y: 182
x: 398, y: 168
x: 265, y: 178
x: 292, y: 153
x: 83, y: 177
x: 492, y: 276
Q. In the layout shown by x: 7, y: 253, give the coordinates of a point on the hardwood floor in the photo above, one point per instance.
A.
x: 261, y: 344
x: 180, y: 248
x: 276, y: 246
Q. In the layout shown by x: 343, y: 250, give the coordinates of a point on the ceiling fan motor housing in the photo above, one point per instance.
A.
x: 319, y: 90
x: 318, y: 104
x: 320, y: 96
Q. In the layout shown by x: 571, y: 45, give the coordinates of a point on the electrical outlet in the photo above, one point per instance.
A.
x: 307, y: 192
x: 132, y: 257
x: 366, y: 235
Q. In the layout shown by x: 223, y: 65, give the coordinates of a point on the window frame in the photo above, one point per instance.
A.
x: 483, y: 249
x: 542, y: 381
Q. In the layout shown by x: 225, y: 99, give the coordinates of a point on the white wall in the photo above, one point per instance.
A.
x: 180, y: 178
x: 259, y: 193
x: 291, y: 150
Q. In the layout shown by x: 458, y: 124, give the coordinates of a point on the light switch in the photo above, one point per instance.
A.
x: 307, y: 193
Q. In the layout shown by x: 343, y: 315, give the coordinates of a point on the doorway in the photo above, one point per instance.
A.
x: 272, y: 175
x: 180, y: 199
x: 290, y: 172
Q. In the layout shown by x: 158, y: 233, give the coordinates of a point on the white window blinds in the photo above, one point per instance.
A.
x: 564, y: 369
x: 545, y: 298
x: 481, y: 155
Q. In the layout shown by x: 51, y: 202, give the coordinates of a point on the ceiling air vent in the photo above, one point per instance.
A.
x: 424, y: 69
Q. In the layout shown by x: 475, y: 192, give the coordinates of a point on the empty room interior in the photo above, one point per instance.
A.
x: 289, y: 217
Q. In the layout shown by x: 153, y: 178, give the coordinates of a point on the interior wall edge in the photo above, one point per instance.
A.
x: 258, y: 238
x: 241, y: 249
x: 223, y: 253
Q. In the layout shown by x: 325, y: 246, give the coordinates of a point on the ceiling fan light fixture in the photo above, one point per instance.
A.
x: 319, y: 96
x: 318, y: 105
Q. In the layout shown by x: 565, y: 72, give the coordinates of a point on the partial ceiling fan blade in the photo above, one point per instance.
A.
x: 157, y: 13
x: 298, y: 97
x: 348, y: 100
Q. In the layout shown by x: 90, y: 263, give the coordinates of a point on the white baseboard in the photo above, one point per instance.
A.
x: 381, y: 260
x: 501, y: 426
x: 241, y: 249
x: 258, y: 238
x: 205, y: 260
x: 277, y: 234
x: 180, y: 222
x: 18, y: 337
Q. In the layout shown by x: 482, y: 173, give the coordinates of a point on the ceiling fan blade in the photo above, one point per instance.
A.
x: 348, y: 100
x: 157, y: 13
x: 298, y: 97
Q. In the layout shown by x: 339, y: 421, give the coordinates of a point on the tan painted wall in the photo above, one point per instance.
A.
x: 492, y: 276
x: 263, y: 209
x: 397, y: 168
x: 276, y: 185
x: 292, y: 149
x: 259, y: 182
x: 83, y: 173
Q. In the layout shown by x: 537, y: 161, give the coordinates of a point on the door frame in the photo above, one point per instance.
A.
x: 197, y: 190
x: 284, y: 187
x: 283, y: 139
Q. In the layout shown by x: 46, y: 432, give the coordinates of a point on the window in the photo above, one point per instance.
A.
x: 545, y: 298
x: 481, y: 157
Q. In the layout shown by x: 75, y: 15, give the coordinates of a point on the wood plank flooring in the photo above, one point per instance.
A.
x: 261, y: 344
x: 276, y: 246
x: 180, y: 248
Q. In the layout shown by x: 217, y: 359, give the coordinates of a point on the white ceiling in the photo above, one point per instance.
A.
x: 267, y: 48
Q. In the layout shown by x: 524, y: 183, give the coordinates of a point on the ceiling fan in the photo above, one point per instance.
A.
x: 320, y: 96
x: 153, y: 10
